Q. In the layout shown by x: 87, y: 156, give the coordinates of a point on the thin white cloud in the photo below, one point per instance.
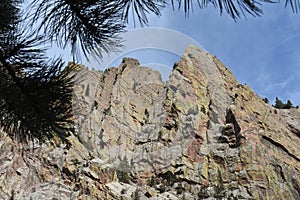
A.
x: 269, y: 85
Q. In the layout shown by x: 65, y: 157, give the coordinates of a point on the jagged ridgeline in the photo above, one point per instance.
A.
x: 200, y: 135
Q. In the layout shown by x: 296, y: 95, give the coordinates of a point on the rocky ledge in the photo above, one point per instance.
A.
x: 200, y: 135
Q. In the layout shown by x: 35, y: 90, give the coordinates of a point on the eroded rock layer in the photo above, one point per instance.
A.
x: 200, y: 135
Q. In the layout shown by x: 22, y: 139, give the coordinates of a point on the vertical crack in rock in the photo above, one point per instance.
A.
x: 201, y: 135
x: 172, y: 112
x: 231, y: 131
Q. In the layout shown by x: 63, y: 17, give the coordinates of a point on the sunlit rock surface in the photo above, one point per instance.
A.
x: 200, y: 135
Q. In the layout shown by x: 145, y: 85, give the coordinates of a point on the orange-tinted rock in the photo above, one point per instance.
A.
x: 199, y: 135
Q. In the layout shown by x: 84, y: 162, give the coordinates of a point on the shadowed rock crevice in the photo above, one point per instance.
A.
x: 279, y: 146
x: 200, y: 135
x: 294, y: 130
x: 231, y: 131
x: 171, y: 121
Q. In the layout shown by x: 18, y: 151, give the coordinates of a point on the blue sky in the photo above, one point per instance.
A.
x: 263, y: 52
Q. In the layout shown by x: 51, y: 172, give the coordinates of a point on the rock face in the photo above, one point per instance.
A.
x: 200, y: 135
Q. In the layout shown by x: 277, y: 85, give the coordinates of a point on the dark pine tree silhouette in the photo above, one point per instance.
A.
x: 235, y: 9
x: 91, y: 25
x: 288, y: 105
x: 280, y: 105
x: 35, y: 92
x: 266, y: 100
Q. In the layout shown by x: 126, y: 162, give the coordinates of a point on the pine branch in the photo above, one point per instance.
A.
x: 35, y: 96
x: 295, y: 5
x: 91, y: 25
x: 235, y: 8
x: 140, y: 9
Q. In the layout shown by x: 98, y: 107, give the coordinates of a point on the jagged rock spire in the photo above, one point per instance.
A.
x: 200, y: 135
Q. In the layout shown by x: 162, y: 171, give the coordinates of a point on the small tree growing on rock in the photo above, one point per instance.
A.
x: 280, y: 105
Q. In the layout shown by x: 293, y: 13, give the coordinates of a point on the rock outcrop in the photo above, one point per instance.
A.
x: 200, y: 135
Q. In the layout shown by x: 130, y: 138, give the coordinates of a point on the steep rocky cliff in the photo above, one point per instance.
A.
x: 200, y: 135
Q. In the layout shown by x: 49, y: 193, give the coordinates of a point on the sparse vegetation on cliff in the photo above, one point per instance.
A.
x: 280, y: 105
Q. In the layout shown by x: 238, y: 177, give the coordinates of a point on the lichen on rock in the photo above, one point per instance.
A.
x: 200, y: 135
